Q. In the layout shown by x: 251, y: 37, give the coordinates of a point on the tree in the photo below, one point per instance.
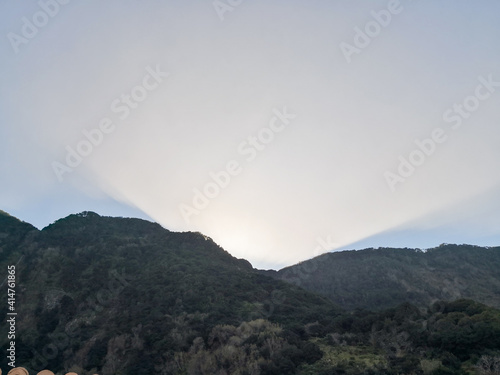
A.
x: 488, y: 365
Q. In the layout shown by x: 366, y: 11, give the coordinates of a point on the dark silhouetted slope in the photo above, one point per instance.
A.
x: 109, y: 296
x: 13, y: 234
x: 384, y: 277
x: 138, y: 295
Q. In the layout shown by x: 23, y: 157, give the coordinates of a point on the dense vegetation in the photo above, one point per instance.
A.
x: 448, y: 338
x: 12, y: 234
x: 382, y: 278
x: 125, y: 296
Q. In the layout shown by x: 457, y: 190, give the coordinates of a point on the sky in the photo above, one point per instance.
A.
x: 280, y: 129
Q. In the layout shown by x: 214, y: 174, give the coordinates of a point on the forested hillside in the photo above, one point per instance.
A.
x: 101, y: 295
x: 382, y: 278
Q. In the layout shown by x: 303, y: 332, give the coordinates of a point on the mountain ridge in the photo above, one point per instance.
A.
x: 385, y: 277
x: 97, y: 294
x: 109, y: 275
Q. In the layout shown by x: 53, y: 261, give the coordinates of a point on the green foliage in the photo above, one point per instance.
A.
x: 14, y: 234
x: 125, y: 296
x: 135, y: 290
x: 381, y: 278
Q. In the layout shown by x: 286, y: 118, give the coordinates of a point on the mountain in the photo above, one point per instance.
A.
x: 127, y: 296
x: 381, y: 278
x: 12, y: 232
x: 122, y: 296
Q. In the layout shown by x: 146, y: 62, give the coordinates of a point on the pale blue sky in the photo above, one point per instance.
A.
x: 323, y: 176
